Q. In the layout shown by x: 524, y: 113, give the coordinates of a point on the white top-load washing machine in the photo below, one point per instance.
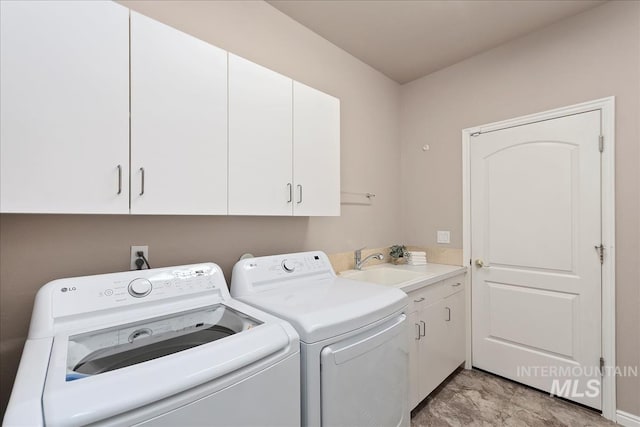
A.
x: 353, y: 337
x: 166, y: 346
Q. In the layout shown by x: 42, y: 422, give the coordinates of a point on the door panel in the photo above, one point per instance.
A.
x: 64, y: 107
x: 535, y: 219
x: 545, y: 244
x: 524, y: 316
x: 178, y: 121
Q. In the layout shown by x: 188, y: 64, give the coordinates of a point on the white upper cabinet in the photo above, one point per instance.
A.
x: 316, y: 152
x: 64, y: 103
x: 260, y: 140
x: 178, y: 122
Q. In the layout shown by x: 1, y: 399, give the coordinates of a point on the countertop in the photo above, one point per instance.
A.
x: 426, y: 274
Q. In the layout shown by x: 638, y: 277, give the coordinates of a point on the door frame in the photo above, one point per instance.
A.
x: 607, y: 108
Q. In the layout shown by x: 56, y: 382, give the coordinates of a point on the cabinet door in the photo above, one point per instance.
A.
x: 260, y: 140
x: 454, y: 316
x: 64, y: 107
x: 413, y: 334
x: 434, y: 348
x: 316, y: 152
x: 178, y: 122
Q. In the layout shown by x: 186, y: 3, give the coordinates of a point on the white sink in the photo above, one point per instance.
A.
x: 382, y: 275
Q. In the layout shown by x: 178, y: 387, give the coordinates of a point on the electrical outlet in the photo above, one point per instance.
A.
x: 134, y: 257
x: 443, y: 236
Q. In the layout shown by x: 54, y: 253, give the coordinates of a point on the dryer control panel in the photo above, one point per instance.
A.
x: 254, y: 275
x: 106, y: 291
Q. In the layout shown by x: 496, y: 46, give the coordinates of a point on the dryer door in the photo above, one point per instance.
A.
x: 364, y: 379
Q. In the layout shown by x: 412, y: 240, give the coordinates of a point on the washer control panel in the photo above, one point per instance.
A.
x: 90, y: 293
x: 262, y: 273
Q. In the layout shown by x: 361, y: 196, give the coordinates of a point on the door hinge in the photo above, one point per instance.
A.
x: 601, y: 143
x: 602, y: 366
x: 470, y: 262
x: 600, y: 250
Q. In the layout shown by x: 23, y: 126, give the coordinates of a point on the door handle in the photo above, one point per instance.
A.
x: 119, y: 179
x: 290, y: 187
x: 300, y: 194
x: 424, y: 328
x: 418, y: 337
x: 141, y: 181
x: 480, y: 263
x: 448, y: 319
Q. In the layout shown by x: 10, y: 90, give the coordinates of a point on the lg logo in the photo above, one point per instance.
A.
x: 71, y: 289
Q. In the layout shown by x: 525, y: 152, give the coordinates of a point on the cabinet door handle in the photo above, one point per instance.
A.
x: 290, y: 187
x: 300, y: 193
x: 119, y: 179
x: 457, y: 284
x: 419, y: 299
x: 141, y: 181
x: 424, y: 328
x: 418, y: 337
x: 448, y: 319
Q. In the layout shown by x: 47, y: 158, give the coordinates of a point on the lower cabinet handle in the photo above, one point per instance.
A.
x: 419, y: 300
x: 300, y: 194
x: 448, y: 314
x: 119, y: 179
x: 424, y: 328
x: 141, y: 181
x: 457, y: 284
x: 418, y: 337
x: 290, y: 187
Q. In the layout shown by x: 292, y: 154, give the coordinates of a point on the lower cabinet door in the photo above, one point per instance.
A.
x: 434, y: 366
x: 454, y: 317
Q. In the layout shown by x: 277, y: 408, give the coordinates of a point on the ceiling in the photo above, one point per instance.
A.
x: 408, y: 39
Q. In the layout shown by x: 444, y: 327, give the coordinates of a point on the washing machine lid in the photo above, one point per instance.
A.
x: 97, y: 374
x: 323, y: 308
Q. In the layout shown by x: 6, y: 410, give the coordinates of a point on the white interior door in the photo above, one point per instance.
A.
x: 536, y: 279
x: 64, y: 107
x: 178, y: 122
x: 260, y: 140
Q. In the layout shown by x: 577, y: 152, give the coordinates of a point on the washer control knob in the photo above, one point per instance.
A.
x: 288, y: 266
x: 140, y: 287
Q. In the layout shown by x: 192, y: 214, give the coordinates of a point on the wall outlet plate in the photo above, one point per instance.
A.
x: 134, y: 257
x: 444, y: 236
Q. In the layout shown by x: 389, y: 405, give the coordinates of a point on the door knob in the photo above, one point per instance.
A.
x: 480, y: 262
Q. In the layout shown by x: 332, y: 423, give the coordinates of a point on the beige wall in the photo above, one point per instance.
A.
x: 592, y: 55
x: 35, y: 249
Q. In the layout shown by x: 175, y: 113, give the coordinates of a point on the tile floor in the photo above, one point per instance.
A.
x: 476, y: 398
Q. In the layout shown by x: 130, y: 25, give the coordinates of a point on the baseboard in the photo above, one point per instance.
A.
x: 626, y: 419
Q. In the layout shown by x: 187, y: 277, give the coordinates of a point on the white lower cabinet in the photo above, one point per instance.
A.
x: 437, y: 322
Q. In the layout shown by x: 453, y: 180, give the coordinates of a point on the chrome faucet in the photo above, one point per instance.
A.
x: 359, y: 262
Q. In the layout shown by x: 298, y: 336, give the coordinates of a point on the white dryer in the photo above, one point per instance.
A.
x: 166, y: 346
x: 353, y: 337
